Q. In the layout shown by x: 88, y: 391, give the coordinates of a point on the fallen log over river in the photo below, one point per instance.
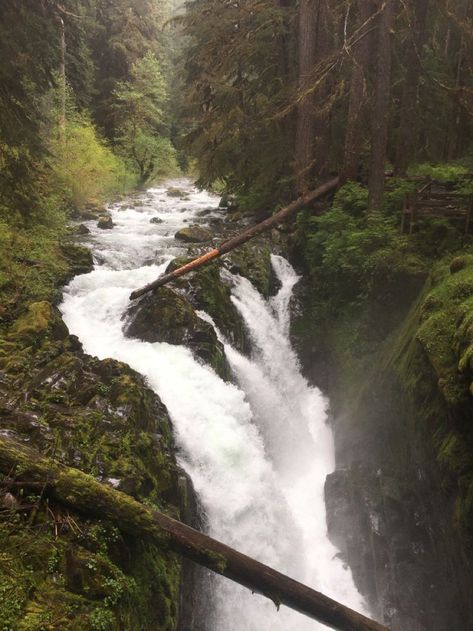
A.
x: 83, y: 493
x: 278, y: 218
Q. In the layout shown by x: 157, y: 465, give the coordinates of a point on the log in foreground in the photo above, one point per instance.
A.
x: 84, y: 493
x: 275, y: 220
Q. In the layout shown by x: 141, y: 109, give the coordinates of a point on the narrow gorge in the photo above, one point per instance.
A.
x: 236, y: 315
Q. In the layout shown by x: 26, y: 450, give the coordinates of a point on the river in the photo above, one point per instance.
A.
x: 258, y: 452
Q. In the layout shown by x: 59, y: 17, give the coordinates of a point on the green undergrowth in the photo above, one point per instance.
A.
x: 456, y: 175
x: 31, y: 261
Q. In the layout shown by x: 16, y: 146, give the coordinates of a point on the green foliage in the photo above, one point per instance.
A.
x: 139, y: 114
x: 141, y: 100
x: 352, y: 253
x: 237, y: 83
x: 122, y: 33
x: 30, y: 262
x: 153, y: 155
x: 445, y: 172
x: 83, y: 168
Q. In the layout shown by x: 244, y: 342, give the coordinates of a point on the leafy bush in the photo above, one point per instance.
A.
x: 351, y: 199
x: 352, y: 253
x: 84, y: 169
x: 446, y: 172
x: 458, y: 175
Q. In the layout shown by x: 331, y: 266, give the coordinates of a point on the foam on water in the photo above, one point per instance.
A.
x: 258, y: 453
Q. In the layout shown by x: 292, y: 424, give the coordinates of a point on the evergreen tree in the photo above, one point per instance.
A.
x: 139, y: 112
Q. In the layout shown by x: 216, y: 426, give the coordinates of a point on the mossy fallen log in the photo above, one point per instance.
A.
x: 275, y: 220
x: 81, y: 492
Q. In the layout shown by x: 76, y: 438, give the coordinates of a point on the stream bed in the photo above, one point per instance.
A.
x: 258, y: 451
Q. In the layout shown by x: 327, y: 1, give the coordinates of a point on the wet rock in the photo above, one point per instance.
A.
x: 380, y: 526
x: 253, y: 261
x: 82, y: 230
x: 193, y: 234
x: 40, y: 318
x: 79, y: 258
x: 205, y: 212
x: 87, y: 215
x: 228, y: 202
x: 166, y: 316
x: 207, y: 291
x: 156, y: 220
x: 105, y: 222
x: 177, y: 192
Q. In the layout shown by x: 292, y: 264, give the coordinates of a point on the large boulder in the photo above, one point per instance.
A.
x: 166, y: 316
x: 253, y: 261
x: 193, y: 234
x: 79, y: 259
x: 40, y: 318
x: 177, y: 192
x: 82, y: 230
x: 105, y: 222
x: 206, y: 291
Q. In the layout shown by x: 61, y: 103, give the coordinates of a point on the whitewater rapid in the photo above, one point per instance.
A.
x: 258, y: 452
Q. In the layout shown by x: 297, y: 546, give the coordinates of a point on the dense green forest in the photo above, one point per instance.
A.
x: 268, y: 97
x: 259, y: 102
x: 85, y: 100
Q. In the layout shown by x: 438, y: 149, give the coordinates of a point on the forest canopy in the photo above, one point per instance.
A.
x: 281, y: 93
x: 266, y: 97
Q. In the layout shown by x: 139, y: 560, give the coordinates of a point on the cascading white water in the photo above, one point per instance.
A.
x: 258, y: 454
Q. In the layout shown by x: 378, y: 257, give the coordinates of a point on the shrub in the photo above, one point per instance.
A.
x: 351, y: 252
x: 84, y: 169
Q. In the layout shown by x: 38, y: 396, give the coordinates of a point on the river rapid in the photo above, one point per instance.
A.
x: 258, y: 452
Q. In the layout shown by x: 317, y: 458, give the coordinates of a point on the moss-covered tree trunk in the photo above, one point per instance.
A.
x: 83, y: 493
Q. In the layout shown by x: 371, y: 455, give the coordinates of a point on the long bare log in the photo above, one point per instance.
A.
x: 275, y: 220
x: 82, y: 492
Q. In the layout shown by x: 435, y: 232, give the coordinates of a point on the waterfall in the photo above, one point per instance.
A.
x: 258, y: 452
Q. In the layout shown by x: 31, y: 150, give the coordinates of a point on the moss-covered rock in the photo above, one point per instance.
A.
x: 41, y: 317
x: 79, y: 259
x: 82, y: 230
x: 59, y: 568
x: 167, y: 316
x: 176, y: 192
x: 193, y: 234
x: 253, y: 261
x: 206, y: 290
x: 105, y: 222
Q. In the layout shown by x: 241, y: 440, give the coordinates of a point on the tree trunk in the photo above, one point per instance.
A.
x: 323, y: 107
x: 280, y: 217
x: 305, y: 132
x: 457, y: 129
x: 358, y: 96
x: 63, y: 81
x: 379, y: 140
x: 407, y: 134
x: 83, y: 493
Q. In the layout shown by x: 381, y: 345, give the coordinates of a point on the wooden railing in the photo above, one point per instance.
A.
x: 431, y: 201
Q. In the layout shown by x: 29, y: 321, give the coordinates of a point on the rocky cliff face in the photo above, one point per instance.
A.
x: 59, y: 569
x: 398, y: 504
